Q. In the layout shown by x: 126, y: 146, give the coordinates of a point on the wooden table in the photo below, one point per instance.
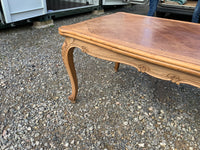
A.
x: 166, y: 49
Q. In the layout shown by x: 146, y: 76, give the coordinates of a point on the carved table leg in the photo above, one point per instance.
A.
x: 67, y: 56
x: 116, y: 66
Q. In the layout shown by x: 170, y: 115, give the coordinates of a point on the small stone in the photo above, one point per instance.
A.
x: 37, y: 143
x: 91, y: 128
x: 72, y: 142
x: 73, y: 127
x: 1, y: 76
x: 162, y: 144
x: 29, y: 128
x: 136, y: 119
x: 27, y: 147
x: 55, y: 98
x: 33, y: 144
x: 31, y: 139
x: 190, y: 148
x: 126, y: 123
x: 98, y: 143
x: 141, y: 145
x: 4, y: 133
x: 162, y: 111
x: 117, y: 103
x: 150, y: 108
x: 66, y: 144
x: 141, y: 117
x: 143, y: 131
x: 37, y: 134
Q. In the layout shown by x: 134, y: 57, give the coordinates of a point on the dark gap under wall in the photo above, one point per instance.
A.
x: 62, y: 4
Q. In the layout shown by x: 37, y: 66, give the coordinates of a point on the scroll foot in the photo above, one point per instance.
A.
x: 72, y: 99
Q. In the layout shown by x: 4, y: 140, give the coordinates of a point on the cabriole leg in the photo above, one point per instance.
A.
x: 67, y: 56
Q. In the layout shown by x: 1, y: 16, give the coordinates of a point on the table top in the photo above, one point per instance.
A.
x: 166, y: 40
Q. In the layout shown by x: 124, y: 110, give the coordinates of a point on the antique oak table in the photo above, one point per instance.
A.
x: 165, y: 49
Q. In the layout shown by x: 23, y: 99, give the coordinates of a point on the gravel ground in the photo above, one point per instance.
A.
x: 126, y: 110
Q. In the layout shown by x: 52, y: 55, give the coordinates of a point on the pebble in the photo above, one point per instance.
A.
x: 29, y: 128
x: 37, y: 143
x: 1, y: 77
x: 4, y: 133
x: 141, y: 145
x: 162, y: 144
x: 162, y: 111
x: 150, y: 108
x: 72, y: 142
x: 126, y: 123
x: 66, y: 144
x: 141, y: 117
x: 136, y: 119
x: 37, y: 134
x: 90, y: 128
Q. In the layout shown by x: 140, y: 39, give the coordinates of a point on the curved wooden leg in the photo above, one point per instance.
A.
x: 67, y: 56
x: 116, y: 66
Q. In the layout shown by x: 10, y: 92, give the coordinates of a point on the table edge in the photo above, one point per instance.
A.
x: 90, y: 40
